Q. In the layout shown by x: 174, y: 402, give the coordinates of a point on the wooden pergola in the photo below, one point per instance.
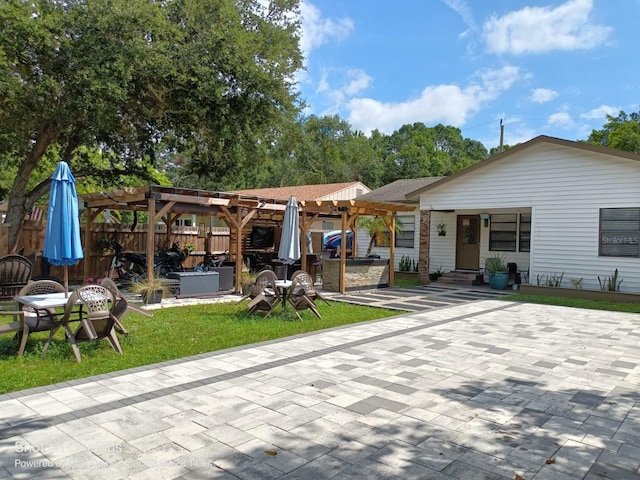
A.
x: 166, y: 204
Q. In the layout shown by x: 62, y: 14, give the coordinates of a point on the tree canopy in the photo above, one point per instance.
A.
x: 621, y: 132
x: 119, y: 87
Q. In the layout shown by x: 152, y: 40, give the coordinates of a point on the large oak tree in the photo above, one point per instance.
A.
x: 131, y: 78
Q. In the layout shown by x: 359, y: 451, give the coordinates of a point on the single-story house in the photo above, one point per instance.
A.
x: 555, y: 208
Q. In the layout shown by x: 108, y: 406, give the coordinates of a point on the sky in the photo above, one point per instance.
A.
x: 543, y: 67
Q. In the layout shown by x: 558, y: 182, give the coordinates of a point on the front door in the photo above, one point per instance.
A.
x: 468, y: 242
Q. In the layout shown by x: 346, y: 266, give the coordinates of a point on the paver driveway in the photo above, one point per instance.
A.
x: 483, y: 390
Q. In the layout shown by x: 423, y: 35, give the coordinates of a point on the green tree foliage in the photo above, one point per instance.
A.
x: 621, y: 132
x: 420, y: 151
x: 318, y: 150
x: 120, y: 87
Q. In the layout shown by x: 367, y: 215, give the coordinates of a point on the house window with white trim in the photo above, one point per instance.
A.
x: 502, y: 235
x: 405, y: 233
x: 405, y: 236
x: 619, y: 232
x: 524, y: 234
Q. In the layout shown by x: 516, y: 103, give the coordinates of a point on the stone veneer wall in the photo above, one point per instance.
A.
x: 423, y: 253
x: 368, y: 274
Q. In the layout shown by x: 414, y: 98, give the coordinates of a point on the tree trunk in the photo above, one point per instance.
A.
x: 21, y: 201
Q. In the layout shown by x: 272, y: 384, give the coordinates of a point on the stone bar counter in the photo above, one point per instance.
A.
x: 361, y: 273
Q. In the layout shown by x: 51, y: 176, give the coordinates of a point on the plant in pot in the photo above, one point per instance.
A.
x: 436, y: 274
x: 152, y: 291
x: 498, y: 271
x: 247, y: 279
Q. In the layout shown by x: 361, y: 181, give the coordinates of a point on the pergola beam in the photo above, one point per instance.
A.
x: 237, y: 211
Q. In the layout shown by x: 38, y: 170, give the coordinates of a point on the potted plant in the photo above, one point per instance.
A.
x: 247, y: 279
x: 442, y: 229
x: 152, y: 291
x: 498, y: 271
x: 436, y: 274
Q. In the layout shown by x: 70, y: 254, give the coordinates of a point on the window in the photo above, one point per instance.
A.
x: 524, y: 244
x: 502, y: 236
x: 407, y: 225
x: 619, y: 232
x: 404, y: 238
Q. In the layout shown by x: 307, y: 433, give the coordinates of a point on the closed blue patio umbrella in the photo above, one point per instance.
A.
x: 62, y: 245
x: 289, y: 251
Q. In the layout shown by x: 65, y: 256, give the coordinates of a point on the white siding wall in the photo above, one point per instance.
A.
x: 412, y: 253
x: 565, y: 189
x: 442, y: 255
x: 348, y: 193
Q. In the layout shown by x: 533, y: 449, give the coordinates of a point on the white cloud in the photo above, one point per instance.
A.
x: 351, y: 83
x: 317, y: 30
x: 543, y: 95
x: 541, y: 29
x: 464, y: 10
x: 560, y: 120
x: 448, y: 104
x: 601, y: 112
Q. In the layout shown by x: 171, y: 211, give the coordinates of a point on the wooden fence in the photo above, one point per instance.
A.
x: 32, y: 239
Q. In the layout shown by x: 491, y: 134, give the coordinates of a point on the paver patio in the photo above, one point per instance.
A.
x: 480, y: 390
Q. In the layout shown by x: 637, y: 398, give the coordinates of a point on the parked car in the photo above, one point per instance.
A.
x: 334, y: 241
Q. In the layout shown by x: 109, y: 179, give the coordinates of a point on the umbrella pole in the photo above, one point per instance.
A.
x: 66, y: 281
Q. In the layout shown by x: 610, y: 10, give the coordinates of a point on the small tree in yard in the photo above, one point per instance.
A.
x: 375, y: 227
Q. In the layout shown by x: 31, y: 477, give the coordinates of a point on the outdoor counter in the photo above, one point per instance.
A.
x: 360, y: 273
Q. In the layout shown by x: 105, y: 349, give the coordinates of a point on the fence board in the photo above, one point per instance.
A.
x: 131, y: 240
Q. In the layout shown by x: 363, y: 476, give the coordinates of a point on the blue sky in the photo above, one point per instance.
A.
x: 547, y: 67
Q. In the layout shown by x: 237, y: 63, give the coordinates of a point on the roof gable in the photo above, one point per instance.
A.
x: 588, y: 147
x: 395, y: 192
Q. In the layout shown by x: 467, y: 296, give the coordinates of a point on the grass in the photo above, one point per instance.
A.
x: 182, y: 331
x: 576, y: 302
x: 173, y: 332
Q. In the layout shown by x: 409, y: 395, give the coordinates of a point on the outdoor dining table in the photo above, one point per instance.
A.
x: 47, y: 301
x: 43, y: 301
x: 283, y: 287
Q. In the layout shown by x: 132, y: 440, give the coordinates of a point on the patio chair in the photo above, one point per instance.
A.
x: 306, y: 282
x: 299, y: 295
x: 122, y: 306
x: 266, y: 279
x: 40, y: 320
x: 98, y: 322
x: 15, y: 272
x: 16, y: 326
x: 266, y: 297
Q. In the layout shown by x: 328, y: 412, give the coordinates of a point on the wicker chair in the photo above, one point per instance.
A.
x: 40, y: 320
x: 121, y: 307
x: 264, y: 295
x: 97, y: 323
x: 15, y: 272
x: 300, y: 294
x: 306, y: 282
x: 266, y: 279
x: 16, y: 326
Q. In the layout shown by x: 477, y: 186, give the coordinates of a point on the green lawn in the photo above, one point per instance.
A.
x: 576, y: 302
x: 173, y: 332
x: 181, y: 331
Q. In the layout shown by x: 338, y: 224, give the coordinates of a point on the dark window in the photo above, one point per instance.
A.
x: 525, y: 232
x: 502, y: 236
x: 619, y: 232
x: 262, y: 237
x: 407, y: 226
x: 404, y: 237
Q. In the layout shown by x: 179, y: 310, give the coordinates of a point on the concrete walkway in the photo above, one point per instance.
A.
x: 481, y: 390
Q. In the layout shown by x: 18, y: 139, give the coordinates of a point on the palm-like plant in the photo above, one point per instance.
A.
x: 375, y: 227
